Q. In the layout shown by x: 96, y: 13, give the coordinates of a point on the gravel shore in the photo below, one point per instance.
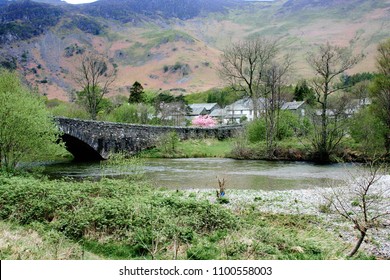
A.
x: 313, y: 202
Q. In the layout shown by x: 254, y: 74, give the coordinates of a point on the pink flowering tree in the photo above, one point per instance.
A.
x: 204, y: 121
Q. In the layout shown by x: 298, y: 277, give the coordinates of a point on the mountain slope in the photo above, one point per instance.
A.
x: 21, y: 20
x: 175, y: 44
x: 181, y: 9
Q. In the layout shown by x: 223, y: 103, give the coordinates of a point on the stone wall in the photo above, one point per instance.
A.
x: 105, y: 137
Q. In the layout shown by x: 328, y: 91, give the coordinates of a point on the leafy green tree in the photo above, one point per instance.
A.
x: 351, y: 80
x: 290, y: 125
x: 132, y: 113
x: 136, y: 93
x: 381, y: 89
x: 223, y: 96
x: 171, y: 109
x: 27, y: 130
x: 368, y: 130
x: 303, y: 92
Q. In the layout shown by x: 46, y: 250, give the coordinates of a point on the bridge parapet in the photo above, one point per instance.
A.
x: 94, y: 140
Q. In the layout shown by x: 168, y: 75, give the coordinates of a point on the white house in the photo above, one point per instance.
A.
x: 243, y: 109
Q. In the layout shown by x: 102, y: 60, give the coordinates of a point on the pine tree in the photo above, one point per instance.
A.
x: 136, y: 92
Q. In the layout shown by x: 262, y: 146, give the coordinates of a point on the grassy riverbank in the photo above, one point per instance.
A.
x: 291, y: 149
x: 193, y: 148
x: 131, y: 219
x: 231, y: 148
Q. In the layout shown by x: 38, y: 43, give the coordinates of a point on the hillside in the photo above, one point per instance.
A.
x: 175, y: 44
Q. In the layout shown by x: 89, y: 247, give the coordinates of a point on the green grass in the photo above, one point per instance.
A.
x: 159, y: 37
x: 120, y: 219
x: 130, y: 219
x: 139, y: 53
x: 193, y: 148
x: 28, y: 243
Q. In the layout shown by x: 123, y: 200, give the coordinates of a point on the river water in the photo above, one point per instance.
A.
x: 202, y: 173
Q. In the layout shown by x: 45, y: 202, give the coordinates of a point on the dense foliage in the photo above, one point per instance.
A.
x: 290, y: 126
x: 222, y: 97
x: 128, y: 219
x: 26, y: 127
x: 130, y: 213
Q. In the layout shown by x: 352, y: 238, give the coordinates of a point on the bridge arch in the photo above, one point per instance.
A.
x: 80, y: 150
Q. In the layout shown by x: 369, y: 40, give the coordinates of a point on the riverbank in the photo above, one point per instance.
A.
x: 130, y: 219
x: 311, y: 202
x: 287, y: 150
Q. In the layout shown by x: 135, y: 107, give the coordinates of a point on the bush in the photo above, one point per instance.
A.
x: 69, y: 110
x: 120, y: 210
x: 256, y: 131
x: 290, y: 125
x: 168, y: 143
x: 368, y: 130
x: 203, y: 251
x: 27, y: 130
x: 132, y: 113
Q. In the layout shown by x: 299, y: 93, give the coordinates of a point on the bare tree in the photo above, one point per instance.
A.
x: 244, y: 66
x: 363, y: 201
x: 95, y: 76
x: 383, y: 58
x: 328, y: 63
x: 274, y: 81
x: 255, y: 67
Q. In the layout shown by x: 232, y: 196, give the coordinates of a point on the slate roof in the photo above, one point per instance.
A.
x: 207, y: 106
x: 245, y: 104
x: 295, y: 105
x: 218, y: 113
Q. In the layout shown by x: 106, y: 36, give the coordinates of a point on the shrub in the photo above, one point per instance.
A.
x: 132, y: 113
x: 169, y: 142
x: 256, y: 131
x: 290, y: 125
x: 27, y: 130
x: 203, y: 251
x: 70, y: 110
x: 124, y: 211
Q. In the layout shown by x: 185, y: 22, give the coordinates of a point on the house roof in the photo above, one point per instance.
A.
x: 207, y: 106
x: 245, y: 104
x: 295, y: 105
x: 218, y: 113
x: 198, y: 111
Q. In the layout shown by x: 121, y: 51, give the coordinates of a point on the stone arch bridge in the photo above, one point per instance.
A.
x: 96, y: 140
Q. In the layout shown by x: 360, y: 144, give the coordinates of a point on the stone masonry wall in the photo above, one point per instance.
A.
x: 107, y: 137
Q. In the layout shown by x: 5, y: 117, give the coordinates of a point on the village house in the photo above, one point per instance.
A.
x: 297, y: 107
x: 242, y: 110
x: 198, y: 109
x: 219, y: 115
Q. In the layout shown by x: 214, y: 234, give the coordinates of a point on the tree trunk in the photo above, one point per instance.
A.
x: 357, y: 246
